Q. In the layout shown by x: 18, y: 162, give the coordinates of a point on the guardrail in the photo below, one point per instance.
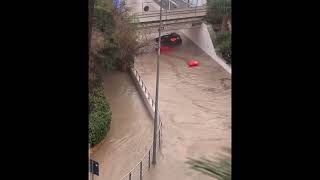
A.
x: 189, y: 4
x: 144, y: 165
x: 176, y: 4
x: 179, y: 14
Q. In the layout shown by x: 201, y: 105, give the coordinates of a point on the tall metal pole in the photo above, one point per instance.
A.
x: 155, y: 123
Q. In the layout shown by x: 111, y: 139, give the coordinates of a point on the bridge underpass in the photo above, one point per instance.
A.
x: 190, y: 19
x: 181, y: 18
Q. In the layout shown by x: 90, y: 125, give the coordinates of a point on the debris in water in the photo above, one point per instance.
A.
x: 193, y: 63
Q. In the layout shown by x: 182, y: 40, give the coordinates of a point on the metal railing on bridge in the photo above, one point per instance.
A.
x: 171, y: 12
x: 173, y: 15
x: 174, y: 4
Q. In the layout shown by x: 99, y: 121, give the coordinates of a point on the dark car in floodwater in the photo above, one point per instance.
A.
x: 170, y: 39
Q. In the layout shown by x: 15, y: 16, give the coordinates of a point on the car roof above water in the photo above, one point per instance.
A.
x: 172, y: 34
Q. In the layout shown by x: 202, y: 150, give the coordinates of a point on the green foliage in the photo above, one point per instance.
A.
x: 218, y: 14
x: 220, y: 169
x: 120, y: 44
x: 103, y: 19
x: 217, y: 9
x: 223, y: 42
x: 135, y: 19
x: 99, y: 110
x: 106, y: 58
x: 99, y: 116
x: 94, y: 78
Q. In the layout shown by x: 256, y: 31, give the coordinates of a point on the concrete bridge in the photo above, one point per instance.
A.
x: 171, y: 17
x: 176, y: 14
x: 138, y: 5
x: 182, y: 16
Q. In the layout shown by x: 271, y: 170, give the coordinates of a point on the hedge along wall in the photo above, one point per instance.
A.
x: 99, y: 116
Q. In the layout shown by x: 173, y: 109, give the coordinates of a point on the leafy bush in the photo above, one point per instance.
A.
x: 223, y: 42
x: 94, y: 78
x: 219, y: 15
x: 220, y: 169
x: 103, y: 19
x: 120, y: 36
x: 99, y: 116
x: 217, y: 10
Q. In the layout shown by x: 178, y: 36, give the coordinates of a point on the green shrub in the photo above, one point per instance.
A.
x: 106, y: 59
x: 219, y: 169
x: 94, y: 77
x: 99, y: 116
x: 120, y: 36
x: 217, y: 9
x: 218, y: 14
x: 223, y: 42
x: 103, y: 19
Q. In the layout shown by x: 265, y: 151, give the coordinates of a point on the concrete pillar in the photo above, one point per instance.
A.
x: 193, y: 2
x: 202, y: 2
x: 197, y: 2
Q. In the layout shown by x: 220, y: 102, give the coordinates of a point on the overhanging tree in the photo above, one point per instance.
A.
x: 120, y: 35
x: 219, y: 13
x: 91, y: 11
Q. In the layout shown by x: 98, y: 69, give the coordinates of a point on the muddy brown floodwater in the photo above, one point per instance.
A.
x: 195, y: 108
x: 130, y: 134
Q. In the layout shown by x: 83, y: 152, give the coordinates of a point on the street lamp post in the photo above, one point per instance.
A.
x: 155, y: 123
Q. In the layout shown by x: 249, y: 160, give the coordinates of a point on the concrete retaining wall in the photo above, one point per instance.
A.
x: 201, y: 37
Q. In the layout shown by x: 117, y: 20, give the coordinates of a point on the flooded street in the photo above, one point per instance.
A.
x: 195, y: 108
x: 130, y: 134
